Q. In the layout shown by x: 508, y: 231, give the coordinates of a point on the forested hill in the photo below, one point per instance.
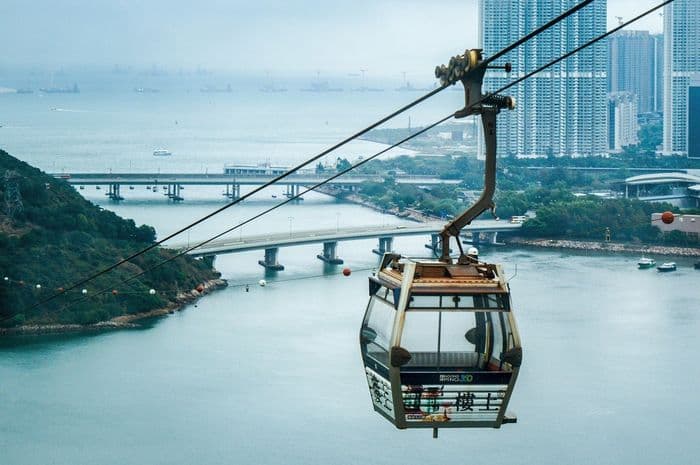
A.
x: 51, y: 237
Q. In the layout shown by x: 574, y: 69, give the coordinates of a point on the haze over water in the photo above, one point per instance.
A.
x: 274, y: 375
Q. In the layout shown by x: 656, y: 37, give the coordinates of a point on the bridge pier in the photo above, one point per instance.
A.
x: 233, y: 191
x: 114, y: 192
x: 385, y: 245
x: 174, y: 192
x: 270, y: 262
x: 435, y: 244
x: 329, y: 254
x: 292, y: 191
x: 485, y: 237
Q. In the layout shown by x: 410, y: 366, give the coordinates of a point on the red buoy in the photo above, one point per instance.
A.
x: 346, y: 271
x: 667, y: 217
x: 200, y: 288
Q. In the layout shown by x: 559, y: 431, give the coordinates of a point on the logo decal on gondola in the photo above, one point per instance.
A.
x: 455, y: 378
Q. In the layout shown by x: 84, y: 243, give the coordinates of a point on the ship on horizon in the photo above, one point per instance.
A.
x: 214, y: 89
x: 61, y: 90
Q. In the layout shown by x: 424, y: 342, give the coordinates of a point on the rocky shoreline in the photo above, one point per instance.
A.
x: 122, y: 321
x: 617, y: 247
x: 591, y: 246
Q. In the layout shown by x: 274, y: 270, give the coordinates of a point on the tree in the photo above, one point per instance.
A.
x: 342, y: 164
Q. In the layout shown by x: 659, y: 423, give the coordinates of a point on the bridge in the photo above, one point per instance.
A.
x: 172, y: 183
x: 271, y: 243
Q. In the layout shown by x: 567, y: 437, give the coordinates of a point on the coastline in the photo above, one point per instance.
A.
x: 616, y: 247
x: 119, y: 322
x: 563, y: 244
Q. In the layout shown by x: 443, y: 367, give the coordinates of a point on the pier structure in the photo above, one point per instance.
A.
x: 386, y: 244
x: 233, y: 191
x: 435, y: 243
x: 270, y: 262
x: 329, y: 254
x: 114, y: 192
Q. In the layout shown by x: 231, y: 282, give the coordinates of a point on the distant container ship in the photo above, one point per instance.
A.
x: 213, y: 89
x: 161, y: 153
x: 145, y: 90
x: 61, y: 90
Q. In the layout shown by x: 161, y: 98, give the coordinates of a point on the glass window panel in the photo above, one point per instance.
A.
x: 466, y: 301
x: 425, y: 301
x: 497, y: 335
x: 420, y: 332
x: 380, y: 321
x: 454, y: 328
x: 508, y: 332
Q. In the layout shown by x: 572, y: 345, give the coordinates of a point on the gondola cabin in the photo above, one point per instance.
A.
x: 439, y: 344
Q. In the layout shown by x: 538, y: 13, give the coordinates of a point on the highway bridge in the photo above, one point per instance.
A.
x: 172, y: 183
x: 271, y: 243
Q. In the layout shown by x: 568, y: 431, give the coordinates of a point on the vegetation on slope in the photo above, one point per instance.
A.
x: 59, y: 238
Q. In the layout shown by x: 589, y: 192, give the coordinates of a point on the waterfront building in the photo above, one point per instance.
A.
x: 623, y: 126
x: 681, y: 66
x: 563, y: 110
x: 689, y: 225
x: 631, y: 66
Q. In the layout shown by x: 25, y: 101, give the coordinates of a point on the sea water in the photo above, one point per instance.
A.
x: 273, y: 375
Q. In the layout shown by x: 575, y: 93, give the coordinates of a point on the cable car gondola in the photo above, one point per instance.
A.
x: 439, y: 341
x: 440, y: 344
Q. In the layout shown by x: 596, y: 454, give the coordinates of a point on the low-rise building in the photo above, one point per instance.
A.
x: 687, y: 224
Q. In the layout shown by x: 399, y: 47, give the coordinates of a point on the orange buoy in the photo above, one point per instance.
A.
x: 200, y: 288
x: 346, y: 271
x: 667, y: 217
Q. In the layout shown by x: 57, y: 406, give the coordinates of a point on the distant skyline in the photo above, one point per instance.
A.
x: 384, y: 37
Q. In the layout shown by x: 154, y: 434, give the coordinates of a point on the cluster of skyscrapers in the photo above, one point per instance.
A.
x: 589, y: 103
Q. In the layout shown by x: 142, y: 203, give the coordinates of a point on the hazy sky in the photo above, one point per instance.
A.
x: 383, y: 36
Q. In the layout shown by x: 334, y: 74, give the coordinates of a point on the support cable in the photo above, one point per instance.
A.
x: 258, y: 215
x: 303, y: 164
x: 406, y: 139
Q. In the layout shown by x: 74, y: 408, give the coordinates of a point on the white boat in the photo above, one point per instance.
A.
x: 668, y: 266
x: 646, y: 262
x: 161, y: 153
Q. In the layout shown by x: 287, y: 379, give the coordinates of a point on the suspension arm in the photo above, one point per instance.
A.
x: 485, y: 201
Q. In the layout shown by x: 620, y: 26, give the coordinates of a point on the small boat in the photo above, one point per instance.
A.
x: 161, y: 153
x: 645, y: 263
x: 668, y: 266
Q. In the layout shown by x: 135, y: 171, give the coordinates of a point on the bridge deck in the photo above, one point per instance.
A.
x: 224, y: 179
x: 246, y: 243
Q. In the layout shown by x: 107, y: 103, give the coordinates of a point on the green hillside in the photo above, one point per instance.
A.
x: 53, y: 237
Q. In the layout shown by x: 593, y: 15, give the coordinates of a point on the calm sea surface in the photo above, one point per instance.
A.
x: 273, y: 375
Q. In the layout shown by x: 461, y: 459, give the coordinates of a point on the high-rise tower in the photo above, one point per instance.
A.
x: 631, y: 66
x: 563, y: 110
x: 681, y: 68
